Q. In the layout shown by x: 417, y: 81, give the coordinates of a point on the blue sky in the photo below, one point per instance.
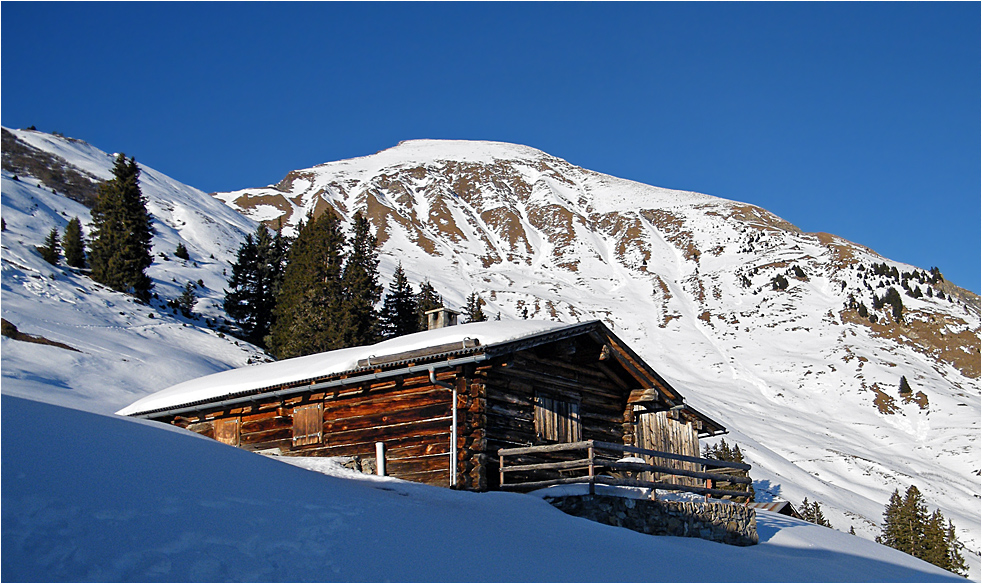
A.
x: 861, y: 120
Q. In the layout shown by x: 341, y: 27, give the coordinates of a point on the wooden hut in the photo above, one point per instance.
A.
x: 442, y: 401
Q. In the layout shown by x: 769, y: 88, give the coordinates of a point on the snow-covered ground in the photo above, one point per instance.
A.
x: 88, y: 497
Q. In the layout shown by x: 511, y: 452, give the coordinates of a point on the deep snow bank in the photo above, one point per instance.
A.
x: 92, y: 497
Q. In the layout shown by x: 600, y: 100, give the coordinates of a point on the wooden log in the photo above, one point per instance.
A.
x: 204, y: 428
x: 271, y: 435
x: 562, y: 386
x: 545, y: 448
x: 284, y: 445
x: 418, y: 465
x: 572, y: 371
x: 264, y: 424
x: 706, y: 461
x: 388, y: 417
x: 440, y: 447
x: 495, y: 407
x: 396, y: 398
x: 669, y: 487
x: 533, y: 485
x: 390, y: 432
x: 639, y: 467
x: 367, y: 448
x: 499, y: 423
x: 436, y: 478
x: 569, y: 464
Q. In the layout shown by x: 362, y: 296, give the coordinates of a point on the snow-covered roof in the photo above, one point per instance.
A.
x: 266, y: 375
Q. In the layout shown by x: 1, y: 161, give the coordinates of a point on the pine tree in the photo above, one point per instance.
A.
x: 473, y: 312
x: 182, y: 251
x: 908, y: 528
x: 122, y: 232
x: 399, y: 310
x: 894, y: 531
x: 243, y: 287
x: 51, y: 249
x: 360, y: 283
x: 722, y: 451
x: 187, y: 299
x: 427, y: 299
x: 256, y: 277
x: 309, y: 315
x: 934, y: 547
x: 74, y: 244
x: 806, y: 510
x: 818, y: 517
x: 955, y: 561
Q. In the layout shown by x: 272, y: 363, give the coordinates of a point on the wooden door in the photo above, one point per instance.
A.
x: 659, y: 431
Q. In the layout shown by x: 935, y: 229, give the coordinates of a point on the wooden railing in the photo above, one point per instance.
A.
x: 592, y: 461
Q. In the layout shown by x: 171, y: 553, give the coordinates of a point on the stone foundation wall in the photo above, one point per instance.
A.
x: 721, y: 522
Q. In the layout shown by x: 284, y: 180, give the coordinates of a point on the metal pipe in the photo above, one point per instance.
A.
x: 380, y: 459
x: 453, y: 424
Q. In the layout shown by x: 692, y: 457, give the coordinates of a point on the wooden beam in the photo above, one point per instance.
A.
x: 706, y: 461
x: 640, y: 467
x: 582, y: 463
x: 547, y: 448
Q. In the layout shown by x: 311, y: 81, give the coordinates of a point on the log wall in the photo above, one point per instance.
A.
x: 509, y: 390
x: 411, y: 416
x: 496, y: 408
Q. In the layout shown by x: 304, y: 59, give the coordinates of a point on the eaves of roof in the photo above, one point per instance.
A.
x: 389, y: 368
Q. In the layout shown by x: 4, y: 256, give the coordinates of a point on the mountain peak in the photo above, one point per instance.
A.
x: 481, y: 151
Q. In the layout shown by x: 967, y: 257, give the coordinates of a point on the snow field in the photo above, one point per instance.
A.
x: 152, y: 503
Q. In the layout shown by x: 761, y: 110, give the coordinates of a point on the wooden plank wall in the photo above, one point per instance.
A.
x: 510, y: 389
x: 410, y: 415
x: 659, y: 431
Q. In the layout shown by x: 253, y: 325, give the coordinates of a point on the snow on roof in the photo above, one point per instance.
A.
x: 255, y: 377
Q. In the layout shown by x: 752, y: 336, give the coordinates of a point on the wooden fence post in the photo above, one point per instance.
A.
x: 501, y: 470
x: 589, y: 456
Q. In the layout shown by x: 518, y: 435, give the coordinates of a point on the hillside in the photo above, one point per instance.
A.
x: 123, y: 348
x: 808, y: 386
x: 260, y: 520
x: 808, y: 390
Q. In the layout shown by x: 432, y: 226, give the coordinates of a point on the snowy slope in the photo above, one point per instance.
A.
x: 808, y: 388
x: 795, y: 386
x: 125, y: 349
x: 151, y: 503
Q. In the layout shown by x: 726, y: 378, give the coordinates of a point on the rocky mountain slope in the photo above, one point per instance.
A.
x: 807, y: 387
x: 767, y: 328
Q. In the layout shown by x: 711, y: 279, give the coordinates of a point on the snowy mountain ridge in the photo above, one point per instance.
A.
x: 807, y: 388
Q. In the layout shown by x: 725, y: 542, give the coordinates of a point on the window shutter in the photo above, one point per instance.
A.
x: 557, y: 420
x: 308, y: 424
x: 227, y: 431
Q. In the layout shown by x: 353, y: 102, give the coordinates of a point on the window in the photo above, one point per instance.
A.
x: 557, y: 420
x: 308, y: 424
x: 227, y: 431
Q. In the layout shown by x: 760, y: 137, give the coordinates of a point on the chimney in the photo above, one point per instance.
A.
x: 440, y: 317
